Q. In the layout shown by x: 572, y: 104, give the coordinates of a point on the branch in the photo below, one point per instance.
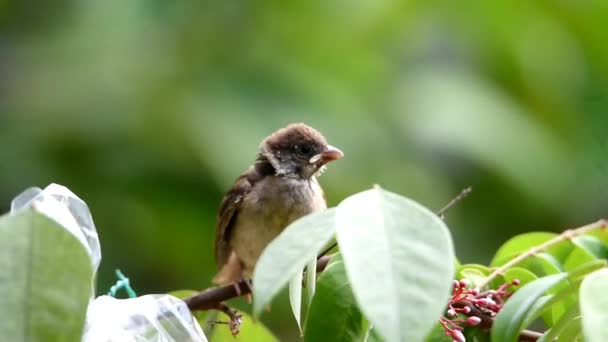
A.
x: 464, y: 193
x: 566, y: 235
x: 212, y: 298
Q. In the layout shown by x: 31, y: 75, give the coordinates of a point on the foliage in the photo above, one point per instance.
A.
x: 390, y: 279
x: 543, y: 270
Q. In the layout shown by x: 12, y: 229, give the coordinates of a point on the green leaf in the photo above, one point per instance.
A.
x: 566, y: 293
x: 333, y: 314
x: 524, y: 242
x: 523, y: 275
x: 45, y: 280
x: 295, y: 297
x: 397, y: 255
x: 586, y: 249
x: 572, y: 331
x: 542, y: 264
x: 518, y: 309
x: 572, y: 313
x: 250, y: 331
x: 288, y: 254
x: 594, y: 306
x: 593, y: 245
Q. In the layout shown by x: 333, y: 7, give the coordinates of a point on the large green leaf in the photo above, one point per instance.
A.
x: 287, y: 255
x: 522, y: 243
x: 45, y: 280
x: 520, y: 307
x: 333, y: 314
x: 398, y: 255
x: 594, y: 306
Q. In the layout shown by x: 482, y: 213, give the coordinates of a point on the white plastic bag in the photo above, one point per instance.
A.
x: 150, y: 318
x: 61, y: 205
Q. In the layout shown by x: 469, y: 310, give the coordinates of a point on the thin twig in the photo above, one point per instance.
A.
x: 566, y: 235
x: 464, y: 193
x: 441, y: 213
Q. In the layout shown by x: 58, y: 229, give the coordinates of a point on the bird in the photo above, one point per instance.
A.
x: 280, y: 187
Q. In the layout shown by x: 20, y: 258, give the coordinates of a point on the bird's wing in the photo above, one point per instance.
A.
x: 229, y: 208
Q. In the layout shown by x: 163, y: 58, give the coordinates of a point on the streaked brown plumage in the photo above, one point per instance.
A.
x: 279, y: 188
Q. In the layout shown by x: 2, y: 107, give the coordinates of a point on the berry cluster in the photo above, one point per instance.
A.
x: 469, y: 307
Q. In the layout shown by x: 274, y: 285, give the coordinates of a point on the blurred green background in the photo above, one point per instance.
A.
x: 149, y: 110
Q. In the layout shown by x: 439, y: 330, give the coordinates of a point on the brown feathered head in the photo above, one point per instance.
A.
x: 298, y: 151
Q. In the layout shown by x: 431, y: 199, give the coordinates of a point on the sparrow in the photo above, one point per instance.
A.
x: 280, y: 187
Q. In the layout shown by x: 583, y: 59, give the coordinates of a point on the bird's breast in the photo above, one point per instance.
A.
x: 272, y: 205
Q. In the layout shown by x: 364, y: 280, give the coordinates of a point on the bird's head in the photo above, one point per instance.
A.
x: 298, y: 151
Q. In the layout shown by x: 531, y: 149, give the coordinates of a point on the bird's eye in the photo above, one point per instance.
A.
x: 304, y: 149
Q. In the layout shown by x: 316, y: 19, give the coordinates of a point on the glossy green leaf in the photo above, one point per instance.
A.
x: 572, y: 332
x: 398, y: 255
x: 594, y: 306
x: 517, y: 310
x: 334, y: 314
x: 592, y: 244
x: 601, y: 234
x: 250, y: 331
x: 566, y: 294
x: 542, y: 264
x: 288, y: 254
x: 572, y: 313
x: 45, y: 280
x: 586, y: 249
x: 523, y: 275
x: 524, y: 242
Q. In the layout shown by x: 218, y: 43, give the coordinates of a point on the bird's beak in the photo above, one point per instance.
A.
x: 329, y: 154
